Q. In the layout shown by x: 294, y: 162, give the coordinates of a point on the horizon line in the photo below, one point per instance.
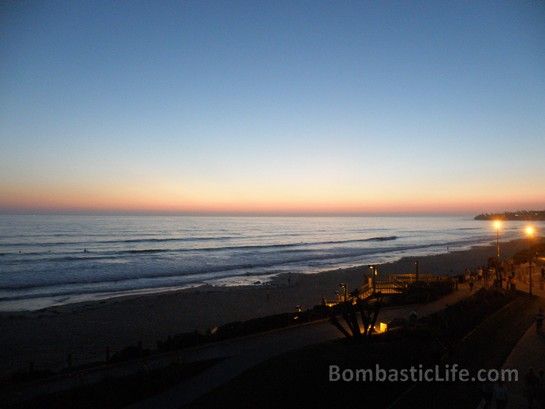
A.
x: 64, y: 212
x: 258, y: 212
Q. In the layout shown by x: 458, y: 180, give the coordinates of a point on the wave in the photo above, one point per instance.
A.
x: 199, y: 271
x: 177, y: 239
x: 263, y: 246
x: 225, y: 269
x: 71, y: 276
x: 140, y: 240
x: 130, y: 287
x: 93, y: 255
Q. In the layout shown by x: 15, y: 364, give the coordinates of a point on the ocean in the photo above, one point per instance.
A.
x: 50, y: 259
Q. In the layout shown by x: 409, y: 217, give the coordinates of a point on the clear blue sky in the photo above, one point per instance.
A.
x: 272, y: 106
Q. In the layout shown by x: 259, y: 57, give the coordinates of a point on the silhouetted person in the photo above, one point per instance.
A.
x: 500, y: 395
x: 541, y: 389
x: 413, y: 318
x: 531, y: 382
x: 539, y: 321
x: 488, y: 394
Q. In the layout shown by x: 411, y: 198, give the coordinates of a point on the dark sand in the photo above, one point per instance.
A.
x: 87, y: 329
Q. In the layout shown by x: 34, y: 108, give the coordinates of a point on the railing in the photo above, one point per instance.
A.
x: 411, y: 277
x: 391, y: 284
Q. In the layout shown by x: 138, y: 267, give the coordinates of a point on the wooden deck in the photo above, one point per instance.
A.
x: 388, y: 285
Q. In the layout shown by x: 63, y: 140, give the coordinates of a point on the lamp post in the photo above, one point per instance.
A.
x: 530, y: 233
x: 374, y: 274
x: 497, y: 226
x: 345, y: 291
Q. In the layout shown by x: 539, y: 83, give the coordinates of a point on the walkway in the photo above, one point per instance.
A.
x: 529, y: 352
x: 242, y: 354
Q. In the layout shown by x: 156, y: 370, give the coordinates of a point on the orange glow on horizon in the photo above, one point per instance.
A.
x: 170, y: 198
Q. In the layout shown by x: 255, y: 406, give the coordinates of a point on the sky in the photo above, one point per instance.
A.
x: 260, y: 107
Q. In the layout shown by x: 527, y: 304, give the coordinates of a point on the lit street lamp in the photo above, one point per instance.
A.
x: 530, y: 233
x: 345, y: 291
x: 497, y: 226
x: 374, y: 273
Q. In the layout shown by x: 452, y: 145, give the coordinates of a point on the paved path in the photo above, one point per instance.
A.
x: 242, y: 354
x: 529, y: 352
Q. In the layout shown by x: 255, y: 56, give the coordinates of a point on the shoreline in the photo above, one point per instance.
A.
x: 87, y: 329
x: 21, y: 305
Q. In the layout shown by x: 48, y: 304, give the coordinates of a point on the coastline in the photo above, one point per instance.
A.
x: 87, y: 329
x: 249, y: 280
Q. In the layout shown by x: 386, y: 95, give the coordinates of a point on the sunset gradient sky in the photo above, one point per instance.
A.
x: 277, y: 107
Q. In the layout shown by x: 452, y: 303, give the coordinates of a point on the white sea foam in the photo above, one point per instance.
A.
x: 81, y: 257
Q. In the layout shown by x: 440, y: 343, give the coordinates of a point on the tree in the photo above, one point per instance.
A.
x: 367, y: 310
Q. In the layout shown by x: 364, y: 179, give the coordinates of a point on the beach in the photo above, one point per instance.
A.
x: 87, y: 330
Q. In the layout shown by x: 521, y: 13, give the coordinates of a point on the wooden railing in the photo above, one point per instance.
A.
x: 390, y: 284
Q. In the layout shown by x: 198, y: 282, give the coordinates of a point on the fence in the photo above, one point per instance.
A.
x: 388, y: 285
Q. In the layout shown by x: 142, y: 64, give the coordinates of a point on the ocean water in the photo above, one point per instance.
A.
x: 47, y: 260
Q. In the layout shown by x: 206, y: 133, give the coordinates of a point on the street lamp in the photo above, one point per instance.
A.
x: 497, y: 226
x: 374, y: 273
x: 530, y: 233
x: 345, y: 291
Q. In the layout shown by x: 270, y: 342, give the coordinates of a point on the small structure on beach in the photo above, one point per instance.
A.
x: 392, y: 284
x: 360, y: 308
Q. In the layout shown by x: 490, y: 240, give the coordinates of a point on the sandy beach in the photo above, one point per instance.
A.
x: 86, y: 330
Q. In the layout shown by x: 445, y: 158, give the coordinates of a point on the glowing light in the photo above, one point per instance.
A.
x: 381, y: 328
x: 530, y: 231
x: 497, y: 224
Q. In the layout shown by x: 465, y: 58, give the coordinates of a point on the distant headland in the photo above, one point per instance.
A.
x: 523, y: 215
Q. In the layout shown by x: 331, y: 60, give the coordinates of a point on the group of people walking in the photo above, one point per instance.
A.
x: 535, y: 388
x: 494, y: 393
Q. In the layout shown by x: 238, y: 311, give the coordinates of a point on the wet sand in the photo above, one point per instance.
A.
x: 85, y: 330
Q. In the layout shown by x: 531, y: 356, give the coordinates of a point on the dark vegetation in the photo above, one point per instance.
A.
x: 353, y: 313
x: 356, y: 317
x: 523, y: 215
x: 116, y: 393
x: 242, y: 328
x: 477, y: 332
